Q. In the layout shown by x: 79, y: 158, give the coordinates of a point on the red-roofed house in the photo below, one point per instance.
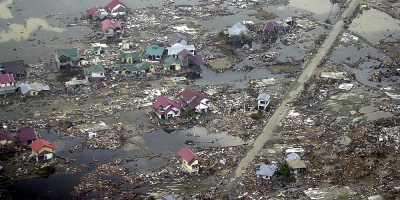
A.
x: 7, y: 84
x: 43, y: 148
x: 190, y: 160
x: 6, y: 141
x: 111, y: 29
x: 116, y: 7
x: 194, y: 100
x: 188, y: 58
x: 96, y: 13
x: 166, y: 108
x: 270, y: 30
x: 26, y: 136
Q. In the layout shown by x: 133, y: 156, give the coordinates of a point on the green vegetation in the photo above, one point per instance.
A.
x: 189, y: 113
x: 284, y: 169
x: 221, y: 34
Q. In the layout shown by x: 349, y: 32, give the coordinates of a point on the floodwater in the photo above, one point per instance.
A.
x: 319, y: 9
x: 374, y: 25
x: 224, y: 22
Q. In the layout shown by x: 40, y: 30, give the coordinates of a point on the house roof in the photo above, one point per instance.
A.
x: 178, y: 47
x: 114, y: 3
x: 184, y: 53
x: 69, y: 53
x: 110, y: 24
x: 13, y: 66
x: 187, y: 154
x: 90, y: 11
x: 128, y: 67
x: 93, y: 69
x: 198, y: 60
x: 295, y: 161
x: 134, y: 56
x: 27, y: 134
x: 24, y: 87
x: 164, y: 102
x: 237, y: 29
x: 263, y: 96
x: 270, y: 27
x: 176, y: 38
x: 170, y: 60
x: 189, y: 93
x: 6, y: 136
x: 155, y: 50
x: 39, y: 143
x: 144, y: 66
x: 266, y: 170
x: 6, y: 78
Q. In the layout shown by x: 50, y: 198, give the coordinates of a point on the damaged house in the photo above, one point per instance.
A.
x: 43, y: 148
x: 66, y: 58
x: 239, y: 33
x: 111, y: 29
x: 194, y: 100
x: 263, y: 101
x: 165, y: 108
x: 16, y: 68
x: 172, y: 63
x: 6, y: 141
x: 129, y: 57
x: 7, y: 84
x: 190, y: 162
x: 94, y: 73
x: 155, y: 52
x: 26, y: 136
x: 116, y: 7
x: 265, y: 171
x: 34, y: 89
x: 96, y: 13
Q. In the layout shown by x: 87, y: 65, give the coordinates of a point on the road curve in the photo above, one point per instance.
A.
x: 296, y: 87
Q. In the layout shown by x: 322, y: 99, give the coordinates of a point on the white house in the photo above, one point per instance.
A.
x: 266, y: 171
x: 116, y: 7
x: 165, y: 108
x: 263, y: 101
x: 94, y: 73
x: 7, y: 83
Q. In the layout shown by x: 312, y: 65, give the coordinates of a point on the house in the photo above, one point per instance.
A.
x: 296, y: 163
x: 74, y: 85
x: 34, y: 89
x: 94, y: 73
x: 155, y: 51
x: 66, y: 58
x: 116, y: 7
x: 144, y: 67
x: 198, y: 60
x: 239, y: 33
x: 16, y: 68
x: 129, y: 57
x: 263, y: 101
x: 165, y: 108
x: 96, y: 13
x: 7, y: 84
x: 194, y: 100
x: 175, y: 49
x: 124, y: 69
x: 172, y: 63
x: 97, y: 50
x: 270, y: 30
x: 26, y: 136
x: 185, y: 56
x: 190, y: 162
x: 176, y: 39
x: 168, y: 197
x: 111, y: 29
x: 266, y: 171
x: 6, y: 141
x: 43, y: 148
x: 297, y: 150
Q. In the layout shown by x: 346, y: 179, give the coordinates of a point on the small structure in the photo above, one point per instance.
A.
x: 165, y: 108
x: 190, y: 162
x: 185, y: 55
x: 263, y: 101
x: 7, y: 84
x: 239, y: 33
x: 194, y: 100
x: 297, y: 150
x: 296, y: 163
x: 168, y: 197
x: 43, y: 148
x: 94, y: 73
x: 111, y: 29
x: 116, y: 7
x: 26, y: 136
x: 270, y: 30
x: 155, y: 51
x: 6, y: 141
x: 74, y: 85
x: 176, y: 38
x: 172, y: 63
x: 144, y: 67
x: 97, y: 50
x: 96, y: 13
x: 66, y: 58
x: 129, y: 57
x: 34, y: 89
x: 266, y: 171
x: 16, y: 68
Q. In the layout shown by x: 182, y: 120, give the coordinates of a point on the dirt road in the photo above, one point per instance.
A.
x: 292, y: 92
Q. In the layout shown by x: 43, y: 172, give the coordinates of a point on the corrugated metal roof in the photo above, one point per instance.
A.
x: 177, y: 48
x: 237, y: 29
x: 264, y: 96
x: 28, y: 87
x: 266, y: 170
x: 155, y: 50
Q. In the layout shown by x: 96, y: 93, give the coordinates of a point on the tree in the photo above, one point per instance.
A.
x: 189, y: 113
x: 285, y: 169
x: 221, y: 34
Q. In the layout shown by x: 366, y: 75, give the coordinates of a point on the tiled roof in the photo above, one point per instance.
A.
x: 164, y: 102
x: 114, y: 3
x: 6, y: 78
x: 39, y: 143
x: 13, y: 66
x: 27, y: 134
x: 187, y: 154
x: 185, y: 53
x: 155, y: 50
x: 110, y: 24
x: 69, y: 53
x: 6, y: 136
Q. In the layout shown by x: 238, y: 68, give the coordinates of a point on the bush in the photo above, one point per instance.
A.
x: 255, y: 116
x: 285, y: 169
x: 189, y: 113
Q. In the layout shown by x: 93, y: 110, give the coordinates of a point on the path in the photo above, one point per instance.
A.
x: 296, y: 87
